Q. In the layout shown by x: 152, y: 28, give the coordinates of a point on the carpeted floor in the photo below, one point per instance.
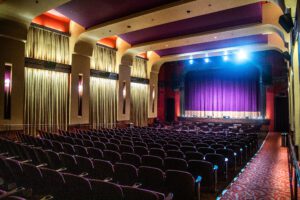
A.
x: 266, y: 176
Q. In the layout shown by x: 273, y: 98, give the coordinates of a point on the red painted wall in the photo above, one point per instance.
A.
x: 51, y: 21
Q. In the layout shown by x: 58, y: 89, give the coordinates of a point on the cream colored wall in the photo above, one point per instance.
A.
x: 12, y: 50
x: 296, y: 93
x: 80, y: 65
x: 124, y: 75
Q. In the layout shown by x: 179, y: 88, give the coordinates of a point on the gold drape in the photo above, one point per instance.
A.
x: 104, y: 59
x: 46, y: 100
x: 139, y: 68
x: 139, y: 104
x: 103, y: 102
x: 46, y: 45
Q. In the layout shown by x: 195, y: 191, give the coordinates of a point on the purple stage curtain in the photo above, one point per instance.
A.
x: 230, y: 89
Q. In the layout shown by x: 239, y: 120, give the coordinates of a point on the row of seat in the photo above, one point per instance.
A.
x: 141, y: 147
x: 176, y: 160
x: 99, y: 168
x: 70, y: 186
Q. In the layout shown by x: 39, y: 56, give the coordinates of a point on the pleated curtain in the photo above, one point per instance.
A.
x: 46, y: 100
x: 139, y: 94
x: 139, y: 104
x: 47, y: 45
x: 139, y: 68
x: 104, y: 59
x: 46, y: 92
x: 103, y: 92
x: 103, y: 102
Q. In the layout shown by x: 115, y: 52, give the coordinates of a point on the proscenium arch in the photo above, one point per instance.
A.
x: 215, y: 52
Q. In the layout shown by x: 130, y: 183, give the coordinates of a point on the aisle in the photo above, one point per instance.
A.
x: 266, y: 176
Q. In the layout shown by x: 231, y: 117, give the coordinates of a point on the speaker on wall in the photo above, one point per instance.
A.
x: 286, y: 22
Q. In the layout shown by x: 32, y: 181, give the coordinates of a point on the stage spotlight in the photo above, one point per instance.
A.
x: 191, y: 60
x: 242, y: 55
x: 225, y: 58
x: 206, y: 60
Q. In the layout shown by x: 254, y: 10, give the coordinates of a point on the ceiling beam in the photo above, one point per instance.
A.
x: 212, y: 36
x: 162, y: 15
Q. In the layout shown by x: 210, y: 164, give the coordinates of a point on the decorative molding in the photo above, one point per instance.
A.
x: 47, y: 65
x: 139, y: 80
x: 103, y: 74
x: 50, y: 29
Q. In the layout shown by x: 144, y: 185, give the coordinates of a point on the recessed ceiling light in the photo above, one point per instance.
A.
x: 215, y: 37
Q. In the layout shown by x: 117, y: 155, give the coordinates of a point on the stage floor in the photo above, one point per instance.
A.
x: 223, y: 120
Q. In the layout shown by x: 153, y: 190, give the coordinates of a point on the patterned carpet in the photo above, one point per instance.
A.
x: 266, y: 176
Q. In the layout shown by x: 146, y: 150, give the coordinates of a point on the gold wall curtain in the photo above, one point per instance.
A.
x: 103, y: 102
x: 46, y: 45
x: 139, y: 104
x: 139, y: 68
x: 46, y: 100
x: 104, y: 59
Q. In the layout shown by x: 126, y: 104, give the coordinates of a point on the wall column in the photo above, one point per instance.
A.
x: 80, y: 66
x: 124, y: 77
x: 12, y: 51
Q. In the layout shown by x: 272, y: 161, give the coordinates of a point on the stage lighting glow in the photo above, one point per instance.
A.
x: 206, y: 60
x: 225, y: 58
x: 242, y: 55
x: 191, y: 61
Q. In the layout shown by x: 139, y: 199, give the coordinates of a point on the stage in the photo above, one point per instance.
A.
x: 225, y: 120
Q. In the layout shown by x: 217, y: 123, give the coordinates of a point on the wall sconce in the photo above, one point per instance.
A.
x: 124, y: 96
x: 153, y: 98
x: 80, y: 94
x: 7, y: 90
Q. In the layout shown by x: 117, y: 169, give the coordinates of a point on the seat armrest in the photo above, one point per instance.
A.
x: 48, y: 197
x: 137, y: 185
x: 42, y: 165
x: 169, y: 196
x: 13, y: 157
x: 108, y: 179
x: 4, y: 154
x: 12, y: 192
x: 26, y: 161
x: 83, y: 174
x: 61, y: 169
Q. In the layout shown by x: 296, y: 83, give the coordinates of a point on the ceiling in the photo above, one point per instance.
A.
x: 232, y: 17
x: 142, y: 23
x: 89, y: 13
x: 241, y: 41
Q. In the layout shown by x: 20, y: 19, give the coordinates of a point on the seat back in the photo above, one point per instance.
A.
x: 54, y: 183
x: 175, y: 164
x: 125, y: 174
x: 152, y: 178
x: 181, y: 184
x: 111, y: 156
x: 105, y: 190
x: 131, y: 193
x: 152, y: 161
x: 102, y: 169
x: 76, y: 187
x: 95, y: 153
x: 131, y: 158
x: 205, y: 170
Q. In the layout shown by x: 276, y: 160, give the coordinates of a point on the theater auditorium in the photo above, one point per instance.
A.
x: 149, y: 100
